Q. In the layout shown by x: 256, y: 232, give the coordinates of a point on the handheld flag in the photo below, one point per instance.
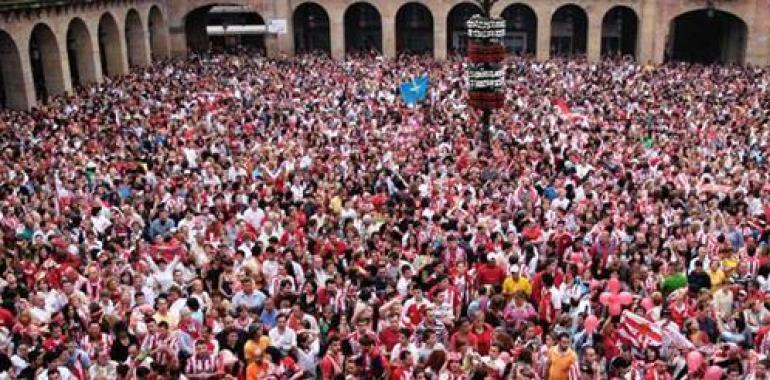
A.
x: 638, y: 332
x: 566, y: 112
x: 415, y: 91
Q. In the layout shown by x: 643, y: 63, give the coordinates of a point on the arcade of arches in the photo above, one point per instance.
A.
x: 57, y: 49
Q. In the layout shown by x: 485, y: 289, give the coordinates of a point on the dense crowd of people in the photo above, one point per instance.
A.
x: 235, y: 217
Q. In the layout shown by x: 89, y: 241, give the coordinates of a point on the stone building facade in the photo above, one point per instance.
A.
x: 48, y: 47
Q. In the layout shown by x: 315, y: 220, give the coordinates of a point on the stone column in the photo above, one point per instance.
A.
x: 271, y: 45
x: 177, y: 41
x: 389, y: 36
x: 660, y: 37
x: 648, y: 20
x: 439, y: 32
x: 594, y: 41
x: 285, y: 42
x: 95, y: 59
x: 337, y: 33
x: 758, y: 37
x: 543, y: 52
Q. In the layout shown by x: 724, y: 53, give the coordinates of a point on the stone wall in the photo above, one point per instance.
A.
x: 108, y: 37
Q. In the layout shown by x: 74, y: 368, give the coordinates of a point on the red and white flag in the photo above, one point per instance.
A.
x: 639, y: 332
x: 566, y: 111
x: 672, y: 337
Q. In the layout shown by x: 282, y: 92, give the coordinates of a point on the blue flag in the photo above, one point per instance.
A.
x: 415, y: 91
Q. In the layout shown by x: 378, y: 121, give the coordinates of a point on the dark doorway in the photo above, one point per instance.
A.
x: 110, y: 54
x: 569, y: 31
x: 46, y: 62
x: 414, y: 29
x: 311, y: 29
x: 363, y: 29
x: 521, y: 33
x: 81, y: 53
x: 457, y: 30
x: 72, y: 54
x: 12, y: 89
x: 707, y: 36
x: 619, y: 32
x: 225, y: 28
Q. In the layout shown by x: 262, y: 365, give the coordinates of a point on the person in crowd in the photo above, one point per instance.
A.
x: 235, y: 216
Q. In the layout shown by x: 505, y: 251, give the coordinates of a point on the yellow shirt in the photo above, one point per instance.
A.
x: 729, y: 263
x: 169, y: 318
x: 560, y: 363
x: 717, y: 279
x: 511, y: 286
x: 336, y: 204
x: 250, y: 347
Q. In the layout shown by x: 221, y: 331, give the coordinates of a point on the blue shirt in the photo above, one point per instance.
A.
x: 255, y: 300
x: 269, y: 318
x: 550, y: 193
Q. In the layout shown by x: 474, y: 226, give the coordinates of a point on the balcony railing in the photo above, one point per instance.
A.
x: 15, y: 5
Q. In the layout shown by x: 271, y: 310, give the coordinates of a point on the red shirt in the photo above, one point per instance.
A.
x: 468, y: 339
x: 483, y: 339
x: 537, y: 284
x: 490, y: 274
x: 562, y: 241
x: 6, y: 318
x: 389, y: 337
x: 400, y: 373
x: 532, y: 232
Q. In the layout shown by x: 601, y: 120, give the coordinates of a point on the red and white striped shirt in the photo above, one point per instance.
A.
x: 92, y: 290
x: 90, y: 345
x: 200, y: 365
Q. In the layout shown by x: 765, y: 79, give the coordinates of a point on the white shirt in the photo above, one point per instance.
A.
x: 561, y: 203
x: 163, y: 278
x: 254, y: 300
x: 40, y: 315
x: 284, y: 340
x: 398, y: 348
x: 64, y: 374
x: 254, y: 217
x: 556, y: 297
x: 19, y: 363
x: 308, y: 360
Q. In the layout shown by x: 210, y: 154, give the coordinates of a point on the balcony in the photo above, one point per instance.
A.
x: 16, y: 5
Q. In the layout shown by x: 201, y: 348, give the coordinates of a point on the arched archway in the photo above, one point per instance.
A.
x: 707, y: 36
x: 311, y: 29
x: 363, y: 28
x: 457, y: 30
x: 569, y: 31
x: 414, y: 29
x: 158, y: 29
x: 521, y: 25
x: 110, y: 50
x: 619, y: 31
x: 136, y: 41
x: 12, y: 88
x: 225, y: 28
x: 80, y: 51
x: 45, y: 58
